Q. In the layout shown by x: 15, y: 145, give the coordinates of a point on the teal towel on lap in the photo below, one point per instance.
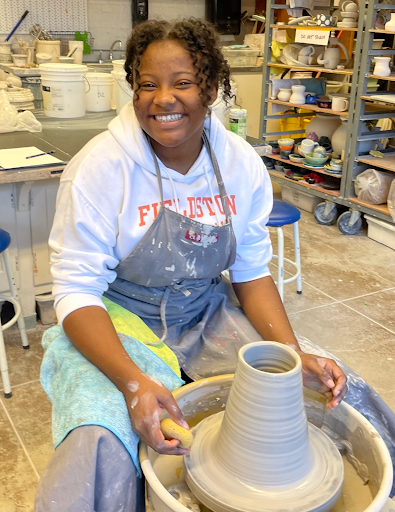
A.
x: 82, y: 395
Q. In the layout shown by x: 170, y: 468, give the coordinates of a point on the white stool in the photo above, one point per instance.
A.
x: 5, y: 241
x: 282, y: 215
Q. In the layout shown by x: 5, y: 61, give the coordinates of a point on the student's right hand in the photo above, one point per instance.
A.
x: 146, y: 398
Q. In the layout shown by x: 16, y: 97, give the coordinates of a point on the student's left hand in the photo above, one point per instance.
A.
x: 325, y: 376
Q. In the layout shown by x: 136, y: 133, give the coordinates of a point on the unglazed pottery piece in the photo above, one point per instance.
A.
x: 261, y: 454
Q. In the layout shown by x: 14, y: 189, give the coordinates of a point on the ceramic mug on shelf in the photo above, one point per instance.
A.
x: 340, y: 104
x: 324, y: 20
x: 307, y: 146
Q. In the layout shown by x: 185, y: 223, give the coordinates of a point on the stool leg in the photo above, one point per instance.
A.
x: 11, y: 281
x: 4, y: 368
x: 280, y: 278
x: 297, y: 257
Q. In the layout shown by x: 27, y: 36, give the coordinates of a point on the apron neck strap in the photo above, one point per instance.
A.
x: 217, y: 172
x: 157, y: 169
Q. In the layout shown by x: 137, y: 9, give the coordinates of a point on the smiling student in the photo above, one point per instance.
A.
x: 149, y: 214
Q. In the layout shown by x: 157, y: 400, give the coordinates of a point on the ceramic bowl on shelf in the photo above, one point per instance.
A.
x: 349, y: 16
x: 285, y: 154
x: 297, y: 159
x: 314, y: 160
x: 347, y: 24
x: 286, y: 144
x: 323, y: 102
x: 377, y: 44
x: 279, y: 168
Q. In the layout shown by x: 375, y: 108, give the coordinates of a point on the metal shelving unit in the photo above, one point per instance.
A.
x: 327, y: 211
x: 364, y: 111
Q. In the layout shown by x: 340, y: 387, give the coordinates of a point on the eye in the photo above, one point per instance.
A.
x: 147, y: 86
x: 184, y: 82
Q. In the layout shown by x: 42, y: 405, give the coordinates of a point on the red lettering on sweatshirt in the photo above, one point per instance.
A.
x: 199, y: 211
x: 142, y: 214
x: 207, y: 201
x: 192, y: 207
x: 197, y: 208
x: 232, y: 205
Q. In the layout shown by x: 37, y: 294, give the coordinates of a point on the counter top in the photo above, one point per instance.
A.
x: 64, y: 136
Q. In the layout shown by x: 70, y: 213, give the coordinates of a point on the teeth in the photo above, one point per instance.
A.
x: 167, y: 119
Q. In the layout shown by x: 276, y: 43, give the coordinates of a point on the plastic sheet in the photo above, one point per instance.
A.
x: 391, y: 200
x: 12, y: 121
x: 373, y: 186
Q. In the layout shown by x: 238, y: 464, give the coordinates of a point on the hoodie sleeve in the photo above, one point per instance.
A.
x: 82, y: 242
x: 255, y: 250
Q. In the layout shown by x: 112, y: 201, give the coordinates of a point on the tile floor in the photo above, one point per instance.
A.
x: 347, y: 306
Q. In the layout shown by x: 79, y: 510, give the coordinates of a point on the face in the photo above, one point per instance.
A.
x: 169, y: 106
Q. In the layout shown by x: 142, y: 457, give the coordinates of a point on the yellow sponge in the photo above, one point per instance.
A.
x: 171, y: 430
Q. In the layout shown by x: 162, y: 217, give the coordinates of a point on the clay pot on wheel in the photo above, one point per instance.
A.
x: 261, y: 454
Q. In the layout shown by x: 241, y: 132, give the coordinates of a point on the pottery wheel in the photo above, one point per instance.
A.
x: 220, y: 490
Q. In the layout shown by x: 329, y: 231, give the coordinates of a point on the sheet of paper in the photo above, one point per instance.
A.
x: 312, y: 36
x: 15, y: 158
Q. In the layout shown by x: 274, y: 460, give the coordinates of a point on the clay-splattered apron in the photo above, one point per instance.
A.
x: 171, y: 280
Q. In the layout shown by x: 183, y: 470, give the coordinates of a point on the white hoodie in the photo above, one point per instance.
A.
x: 109, y: 197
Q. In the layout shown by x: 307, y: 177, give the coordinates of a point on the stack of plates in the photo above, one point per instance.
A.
x: 21, y: 99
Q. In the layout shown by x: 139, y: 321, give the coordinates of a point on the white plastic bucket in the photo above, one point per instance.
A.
x: 98, y: 98
x: 51, y: 47
x: 63, y: 87
x: 122, y: 91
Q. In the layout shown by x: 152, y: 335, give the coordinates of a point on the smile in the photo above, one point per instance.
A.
x: 168, y: 118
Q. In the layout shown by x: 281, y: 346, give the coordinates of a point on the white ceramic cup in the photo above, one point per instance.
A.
x: 340, y: 104
x: 307, y: 146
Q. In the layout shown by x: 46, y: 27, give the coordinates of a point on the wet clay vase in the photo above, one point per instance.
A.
x: 261, y: 454
x: 382, y: 66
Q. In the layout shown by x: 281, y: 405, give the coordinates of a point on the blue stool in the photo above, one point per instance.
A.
x: 282, y: 215
x: 5, y: 241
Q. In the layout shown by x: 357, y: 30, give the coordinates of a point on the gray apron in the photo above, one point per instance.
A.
x: 171, y: 281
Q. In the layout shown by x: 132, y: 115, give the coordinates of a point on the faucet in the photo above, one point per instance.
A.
x: 112, y: 47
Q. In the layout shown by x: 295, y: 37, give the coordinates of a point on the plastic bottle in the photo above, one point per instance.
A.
x: 238, y: 121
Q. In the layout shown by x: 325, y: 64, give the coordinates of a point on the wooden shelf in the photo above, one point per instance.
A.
x: 379, y: 31
x: 387, y: 162
x: 302, y: 166
x: 312, y: 68
x: 306, y: 106
x: 328, y: 29
x: 382, y: 208
x: 304, y: 184
x: 369, y: 98
x: 390, y: 78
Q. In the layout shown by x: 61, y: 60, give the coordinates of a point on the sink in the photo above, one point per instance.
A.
x: 105, y: 67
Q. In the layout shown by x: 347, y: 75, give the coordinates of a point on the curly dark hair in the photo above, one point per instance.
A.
x: 199, y: 37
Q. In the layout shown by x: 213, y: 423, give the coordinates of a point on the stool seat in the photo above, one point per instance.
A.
x: 5, y: 240
x: 283, y: 214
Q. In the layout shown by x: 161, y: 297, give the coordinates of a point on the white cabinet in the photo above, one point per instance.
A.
x: 42, y: 211
x: 8, y: 223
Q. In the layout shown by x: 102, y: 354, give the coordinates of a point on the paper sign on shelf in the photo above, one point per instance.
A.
x: 317, y: 36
